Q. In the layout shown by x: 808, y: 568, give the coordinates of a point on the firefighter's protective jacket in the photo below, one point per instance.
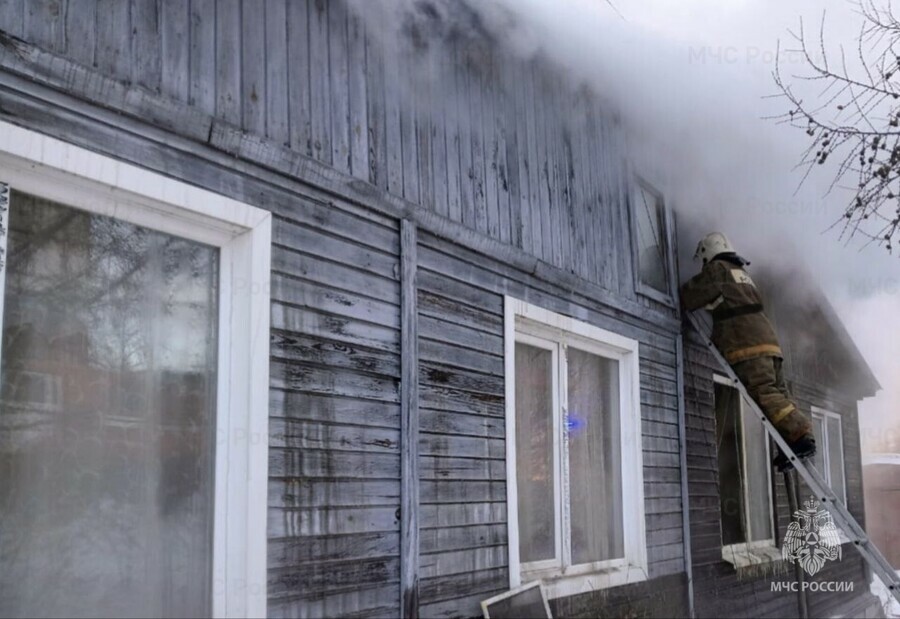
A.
x: 741, y: 330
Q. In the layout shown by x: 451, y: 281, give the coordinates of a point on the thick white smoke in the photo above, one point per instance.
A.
x: 690, y: 79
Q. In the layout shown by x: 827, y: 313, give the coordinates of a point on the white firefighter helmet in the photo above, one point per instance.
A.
x: 712, y: 245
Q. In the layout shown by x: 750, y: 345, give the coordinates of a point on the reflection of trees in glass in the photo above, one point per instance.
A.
x: 106, y: 416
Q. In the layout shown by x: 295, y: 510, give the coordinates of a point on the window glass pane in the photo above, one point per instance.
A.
x: 595, y: 475
x: 651, y: 245
x: 757, y: 478
x: 728, y: 440
x: 819, y: 458
x: 106, y: 417
x: 836, y: 456
x: 534, y: 453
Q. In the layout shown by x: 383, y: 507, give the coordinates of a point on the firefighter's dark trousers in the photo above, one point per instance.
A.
x: 764, y: 381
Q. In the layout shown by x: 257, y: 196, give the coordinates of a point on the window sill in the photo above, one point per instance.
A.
x: 754, y: 553
x: 559, y: 585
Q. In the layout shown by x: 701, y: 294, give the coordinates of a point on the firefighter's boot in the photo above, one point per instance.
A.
x: 803, y: 448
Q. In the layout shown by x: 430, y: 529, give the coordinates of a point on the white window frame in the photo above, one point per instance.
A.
x: 757, y: 551
x: 824, y: 415
x: 667, y: 224
x: 534, y: 325
x: 55, y: 170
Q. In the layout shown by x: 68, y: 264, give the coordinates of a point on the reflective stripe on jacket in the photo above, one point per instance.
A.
x: 741, y: 330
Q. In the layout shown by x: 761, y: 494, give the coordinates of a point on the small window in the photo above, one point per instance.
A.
x: 651, y: 231
x: 574, y: 453
x: 744, y: 473
x: 829, y: 458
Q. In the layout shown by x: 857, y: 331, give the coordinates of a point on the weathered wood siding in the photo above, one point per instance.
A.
x: 507, y: 148
x: 292, y: 106
x: 464, y: 536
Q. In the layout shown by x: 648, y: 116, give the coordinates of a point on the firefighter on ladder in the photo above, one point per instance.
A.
x: 745, y: 337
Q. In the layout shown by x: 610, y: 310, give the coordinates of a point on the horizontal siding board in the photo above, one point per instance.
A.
x: 295, y: 434
x: 335, y: 328
x: 333, y: 409
x: 379, y: 600
x: 309, y: 463
x: 447, y: 467
x: 299, y: 522
x: 467, y: 491
x: 338, y: 302
x: 330, y: 381
x: 462, y: 561
x: 460, y: 585
x: 462, y: 537
x: 324, y: 577
x: 332, y: 492
x: 462, y: 424
x: 289, y: 346
x: 301, y: 551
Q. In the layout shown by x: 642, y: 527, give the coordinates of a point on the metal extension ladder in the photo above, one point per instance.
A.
x: 839, y: 513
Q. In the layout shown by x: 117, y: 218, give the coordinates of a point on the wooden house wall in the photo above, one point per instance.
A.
x: 719, y: 590
x: 507, y: 148
x: 191, y: 89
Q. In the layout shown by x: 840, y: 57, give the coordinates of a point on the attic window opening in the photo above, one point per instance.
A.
x: 649, y: 213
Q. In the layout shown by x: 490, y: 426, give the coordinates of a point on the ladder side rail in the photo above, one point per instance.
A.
x: 839, y: 512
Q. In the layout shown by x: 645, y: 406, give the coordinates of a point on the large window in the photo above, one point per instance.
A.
x: 133, y: 390
x: 651, y: 241
x: 744, y: 476
x: 573, y: 453
x: 829, y: 458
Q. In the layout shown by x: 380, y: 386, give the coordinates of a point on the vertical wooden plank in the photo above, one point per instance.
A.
x: 408, y: 140
x: 489, y: 140
x: 520, y: 195
x: 253, y: 66
x: 359, y: 125
x: 392, y: 100
x: 505, y: 127
x: 339, y: 81
x: 544, y: 119
x: 451, y: 95
x: 81, y: 23
x: 409, y: 420
x: 12, y: 17
x: 556, y: 122
x: 623, y: 188
x: 319, y: 83
x: 533, y: 164
x: 44, y: 25
x: 439, y: 132
x: 113, y: 52
x: 146, y: 66
x: 375, y: 112
x: 476, y: 95
x: 466, y: 171
x: 228, y: 61
x: 277, y: 123
x: 299, y: 95
x: 603, y: 203
x: 174, y: 26
x: 583, y: 183
x: 423, y: 105
x: 202, y: 70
